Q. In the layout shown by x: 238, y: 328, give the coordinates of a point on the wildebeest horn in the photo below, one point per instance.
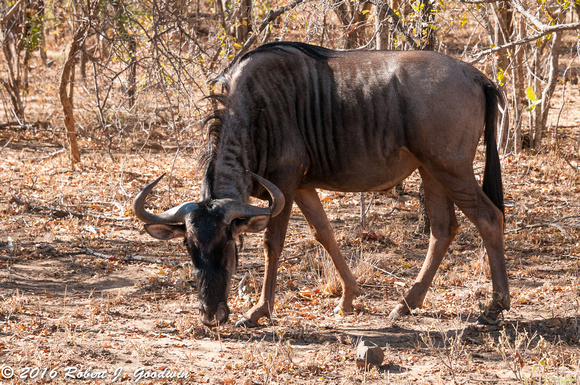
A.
x: 278, y: 200
x: 233, y: 208
x: 174, y: 215
x: 237, y: 209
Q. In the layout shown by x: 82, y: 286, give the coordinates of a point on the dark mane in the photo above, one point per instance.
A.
x: 212, y: 125
x: 281, y: 47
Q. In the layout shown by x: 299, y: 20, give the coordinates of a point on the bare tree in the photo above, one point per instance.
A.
x: 526, y: 40
x: 67, y: 79
x: 353, y: 16
x: 21, y: 32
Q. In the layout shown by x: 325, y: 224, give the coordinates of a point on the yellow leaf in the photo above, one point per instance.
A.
x: 530, y: 93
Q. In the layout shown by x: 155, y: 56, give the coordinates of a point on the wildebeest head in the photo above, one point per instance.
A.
x: 210, y: 229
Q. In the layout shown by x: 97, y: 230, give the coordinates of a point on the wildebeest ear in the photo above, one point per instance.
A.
x: 250, y: 225
x: 165, y: 232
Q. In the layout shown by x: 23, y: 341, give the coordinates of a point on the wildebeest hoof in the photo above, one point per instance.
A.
x: 399, y: 311
x: 488, y: 318
x: 246, y: 323
x: 339, y: 310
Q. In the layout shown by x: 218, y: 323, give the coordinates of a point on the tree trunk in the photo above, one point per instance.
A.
x: 427, y: 44
x: 132, y: 71
x: 351, y: 18
x: 381, y: 28
x: 243, y: 21
x: 424, y: 225
x: 427, y: 21
x: 13, y: 85
x: 66, y: 94
x: 542, y: 115
x: 12, y: 30
x: 519, y: 96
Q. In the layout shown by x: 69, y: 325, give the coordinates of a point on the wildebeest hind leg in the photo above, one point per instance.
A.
x: 463, y: 189
x: 443, y: 229
x: 310, y: 205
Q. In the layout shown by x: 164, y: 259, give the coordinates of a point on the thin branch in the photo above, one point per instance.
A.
x: 546, y: 30
x: 389, y: 273
x: 555, y: 223
x: 37, y: 158
x: 520, y: 8
x: 10, y: 12
x: 395, y: 20
x: 270, y: 17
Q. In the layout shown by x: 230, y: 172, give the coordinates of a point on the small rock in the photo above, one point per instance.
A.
x: 369, y: 354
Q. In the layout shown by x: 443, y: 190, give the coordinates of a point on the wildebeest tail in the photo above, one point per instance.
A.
x: 492, y: 184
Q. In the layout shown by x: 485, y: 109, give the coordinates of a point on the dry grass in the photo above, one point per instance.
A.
x: 94, y: 291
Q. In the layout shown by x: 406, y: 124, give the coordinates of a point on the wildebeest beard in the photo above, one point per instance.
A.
x: 212, y: 276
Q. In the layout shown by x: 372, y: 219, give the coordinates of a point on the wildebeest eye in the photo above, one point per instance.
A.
x: 191, y: 248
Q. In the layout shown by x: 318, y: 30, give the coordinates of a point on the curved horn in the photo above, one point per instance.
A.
x: 278, y: 199
x: 236, y: 209
x: 174, y: 215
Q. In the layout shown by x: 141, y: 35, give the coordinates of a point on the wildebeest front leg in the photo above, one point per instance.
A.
x: 273, y: 243
x: 443, y: 229
x: 311, y: 207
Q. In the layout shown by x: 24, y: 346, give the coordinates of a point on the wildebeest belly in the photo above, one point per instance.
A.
x: 369, y: 173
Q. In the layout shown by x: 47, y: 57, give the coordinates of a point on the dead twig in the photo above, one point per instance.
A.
x: 63, y: 213
x: 555, y: 223
x: 270, y: 17
x: 10, y: 12
x: 389, y: 273
x: 261, y: 265
x: 134, y: 258
x: 37, y: 158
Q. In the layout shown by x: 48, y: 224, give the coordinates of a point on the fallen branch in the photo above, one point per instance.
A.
x: 37, y: 158
x: 389, y: 273
x: 134, y: 258
x: 555, y: 223
x: 63, y: 213
x: 25, y: 126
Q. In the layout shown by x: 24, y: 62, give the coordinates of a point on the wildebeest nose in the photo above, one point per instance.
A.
x: 216, y: 317
x: 222, y: 313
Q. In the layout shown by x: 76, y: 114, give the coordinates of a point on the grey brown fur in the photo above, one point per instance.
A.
x: 304, y: 117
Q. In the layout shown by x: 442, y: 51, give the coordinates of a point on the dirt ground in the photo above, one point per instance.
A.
x: 87, y: 296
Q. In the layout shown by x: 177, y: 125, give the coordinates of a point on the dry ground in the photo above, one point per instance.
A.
x: 83, y: 287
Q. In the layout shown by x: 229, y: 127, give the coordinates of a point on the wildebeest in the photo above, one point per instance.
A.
x: 299, y: 117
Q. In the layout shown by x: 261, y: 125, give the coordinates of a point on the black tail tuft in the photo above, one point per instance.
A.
x: 492, y: 184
